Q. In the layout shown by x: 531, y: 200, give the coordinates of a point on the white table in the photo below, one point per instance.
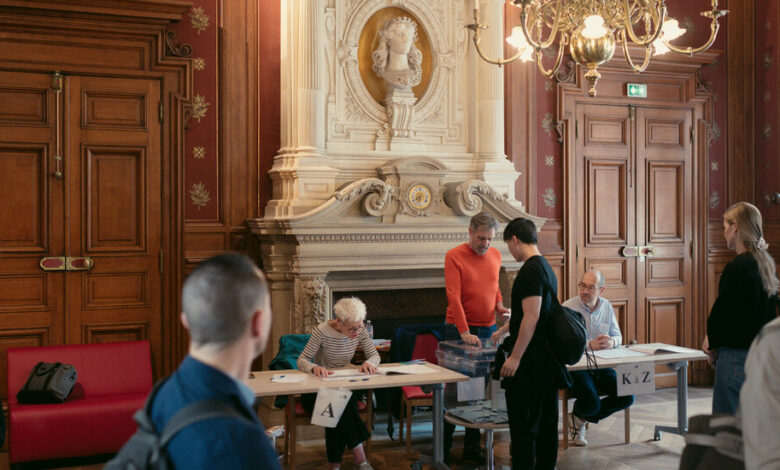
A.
x: 677, y: 361
x: 261, y: 384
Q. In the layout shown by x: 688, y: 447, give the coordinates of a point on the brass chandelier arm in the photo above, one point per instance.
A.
x: 657, y: 18
x: 487, y: 59
x: 714, y: 27
x: 539, y: 45
x: 633, y: 66
x: 558, y: 60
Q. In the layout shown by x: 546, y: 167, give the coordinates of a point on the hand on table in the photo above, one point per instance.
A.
x: 368, y: 368
x: 496, y: 335
x: 602, y: 341
x: 321, y: 372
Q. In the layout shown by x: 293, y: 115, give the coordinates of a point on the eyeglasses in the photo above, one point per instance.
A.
x: 588, y: 287
x: 355, y: 329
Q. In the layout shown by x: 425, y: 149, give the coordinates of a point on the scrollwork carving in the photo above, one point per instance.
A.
x: 175, y: 48
x: 378, y: 195
x: 466, y: 198
x: 566, y: 73
x: 311, y: 303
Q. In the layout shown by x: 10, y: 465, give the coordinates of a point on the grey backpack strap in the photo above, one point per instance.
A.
x: 195, y: 412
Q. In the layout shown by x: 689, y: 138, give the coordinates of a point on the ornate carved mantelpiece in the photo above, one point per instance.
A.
x: 364, y: 199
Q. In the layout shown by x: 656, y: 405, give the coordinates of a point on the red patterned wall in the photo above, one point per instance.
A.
x: 200, y: 29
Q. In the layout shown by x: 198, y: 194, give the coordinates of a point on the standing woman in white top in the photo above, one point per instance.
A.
x: 332, y: 345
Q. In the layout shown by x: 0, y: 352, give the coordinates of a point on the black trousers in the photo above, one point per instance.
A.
x: 588, y: 387
x: 350, y: 431
x: 533, y: 425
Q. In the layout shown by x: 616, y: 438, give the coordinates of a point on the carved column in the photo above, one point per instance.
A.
x: 312, y: 303
x: 304, y: 84
x: 488, y: 127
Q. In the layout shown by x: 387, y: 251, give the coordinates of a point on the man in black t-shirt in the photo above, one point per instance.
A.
x: 530, y: 374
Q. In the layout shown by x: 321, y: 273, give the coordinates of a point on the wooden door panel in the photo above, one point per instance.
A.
x: 664, y: 133
x: 115, y: 198
x: 615, y: 271
x: 665, y: 323
x: 664, y: 222
x: 606, y: 202
x: 31, y: 214
x: 665, y: 202
x: 23, y: 190
x: 605, y: 130
x: 114, y: 110
x: 115, y: 205
x: 664, y: 272
x: 25, y: 104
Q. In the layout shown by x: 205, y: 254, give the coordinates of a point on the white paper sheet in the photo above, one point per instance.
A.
x: 404, y: 369
x: 288, y: 378
x: 659, y: 348
x: 617, y: 352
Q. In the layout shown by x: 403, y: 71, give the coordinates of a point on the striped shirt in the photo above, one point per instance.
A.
x: 330, y: 349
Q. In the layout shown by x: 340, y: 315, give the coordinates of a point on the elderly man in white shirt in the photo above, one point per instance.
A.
x: 603, y: 333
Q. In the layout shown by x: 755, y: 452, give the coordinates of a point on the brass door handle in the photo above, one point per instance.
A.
x: 52, y: 263
x: 626, y: 251
x: 648, y: 250
x: 79, y: 263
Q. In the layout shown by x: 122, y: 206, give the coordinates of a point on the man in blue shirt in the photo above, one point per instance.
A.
x: 603, y: 333
x: 228, y: 316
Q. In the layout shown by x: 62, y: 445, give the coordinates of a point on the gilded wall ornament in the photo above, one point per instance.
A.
x: 200, y: 195
x: 549, y: 198
x: 199, y: 19
x: 714, y: 200
x: 199, y: 63
x: 549, y: 160
x: 199, y: 107
x: 198, y: 152
x: 714, y: 166
x: 767, y: 130
x: 548, y: 124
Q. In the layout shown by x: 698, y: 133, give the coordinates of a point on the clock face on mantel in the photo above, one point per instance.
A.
x: 419, y: 196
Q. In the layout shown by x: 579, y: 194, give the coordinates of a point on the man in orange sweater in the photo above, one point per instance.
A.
x: 471, y: 278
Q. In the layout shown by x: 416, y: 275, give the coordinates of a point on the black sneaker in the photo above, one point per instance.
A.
x: 474, y: 454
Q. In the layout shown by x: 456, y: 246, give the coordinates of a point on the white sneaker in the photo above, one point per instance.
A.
x: 364, y: 465
x: 577, y: 427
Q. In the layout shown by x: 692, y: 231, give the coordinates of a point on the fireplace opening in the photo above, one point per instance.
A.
x: 389, y: 309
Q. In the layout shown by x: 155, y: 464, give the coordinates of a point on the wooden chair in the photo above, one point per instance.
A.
x: 295, y: 414
x: 565, y: 419
x: 412, y: 395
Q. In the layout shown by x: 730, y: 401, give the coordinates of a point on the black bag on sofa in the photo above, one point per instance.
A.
x: 49, y: 382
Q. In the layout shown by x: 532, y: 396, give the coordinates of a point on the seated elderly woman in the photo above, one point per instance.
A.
x: 333, y: 345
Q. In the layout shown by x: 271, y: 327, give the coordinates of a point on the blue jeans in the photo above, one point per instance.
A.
x: 588, y: 387
x: 729, y: 377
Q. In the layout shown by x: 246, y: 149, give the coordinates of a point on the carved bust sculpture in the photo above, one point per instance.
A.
x: 397, y: 60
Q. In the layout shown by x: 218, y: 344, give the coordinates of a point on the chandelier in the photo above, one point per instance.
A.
x: 591, y: 29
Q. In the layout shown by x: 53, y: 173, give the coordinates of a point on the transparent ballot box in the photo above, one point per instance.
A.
x: 473, y: 361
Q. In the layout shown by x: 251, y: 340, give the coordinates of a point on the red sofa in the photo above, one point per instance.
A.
x: 113, y: 382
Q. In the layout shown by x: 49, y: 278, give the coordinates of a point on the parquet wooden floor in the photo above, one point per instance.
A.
x: 606, y: 450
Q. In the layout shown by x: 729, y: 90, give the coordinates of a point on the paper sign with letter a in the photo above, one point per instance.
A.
x: 329, y: 406
x: 635, y: 379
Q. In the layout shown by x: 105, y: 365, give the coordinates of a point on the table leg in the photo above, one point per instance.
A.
x: 489, y: 461
x: 437, y: 460
x: 682, y: 402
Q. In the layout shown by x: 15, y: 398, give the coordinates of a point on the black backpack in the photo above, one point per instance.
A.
x: 146, y: 448
x: 566, y: 333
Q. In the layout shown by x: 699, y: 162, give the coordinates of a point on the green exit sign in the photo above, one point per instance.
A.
x: 636, y: 90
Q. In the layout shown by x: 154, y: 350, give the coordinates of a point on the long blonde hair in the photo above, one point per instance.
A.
x: 749, y: 223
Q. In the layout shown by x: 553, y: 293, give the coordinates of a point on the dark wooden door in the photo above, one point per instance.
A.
x: 31, y: 214
x: 634, y: 218
x: 80, y: 182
